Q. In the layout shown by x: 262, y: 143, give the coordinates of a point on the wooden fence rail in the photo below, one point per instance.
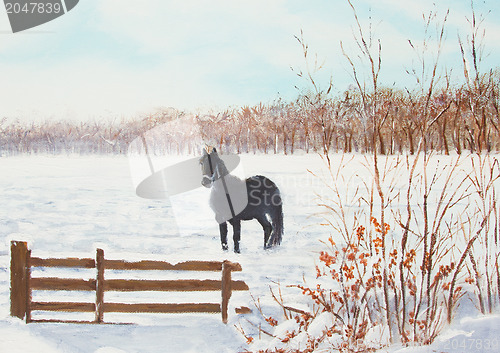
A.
x: 22, y: 285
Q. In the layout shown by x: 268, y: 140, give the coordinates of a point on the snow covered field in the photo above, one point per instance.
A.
x: 71, y: 205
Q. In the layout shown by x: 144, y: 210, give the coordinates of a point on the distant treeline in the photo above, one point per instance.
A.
x: 451, y: 119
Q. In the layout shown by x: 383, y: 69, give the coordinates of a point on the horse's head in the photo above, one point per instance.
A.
x: 209, y: 166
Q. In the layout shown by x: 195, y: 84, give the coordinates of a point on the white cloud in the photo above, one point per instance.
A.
x: 93, y: 88
x: 165, y: 27
x: 414, y: 10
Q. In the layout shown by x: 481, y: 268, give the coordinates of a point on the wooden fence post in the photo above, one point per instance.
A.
x: 99, y: 305
x: 19, y: 279
x: 226, y: 288
x: 28, y: 286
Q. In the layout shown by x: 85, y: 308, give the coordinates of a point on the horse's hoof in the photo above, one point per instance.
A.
x: 224, y: 247
x: 237, y: 251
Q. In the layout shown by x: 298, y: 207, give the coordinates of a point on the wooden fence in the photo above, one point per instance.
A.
x: 22, y: 285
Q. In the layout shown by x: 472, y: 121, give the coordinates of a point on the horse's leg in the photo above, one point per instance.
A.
x: 236, y: 235
x: 268, y: 228
x: 223, y: 235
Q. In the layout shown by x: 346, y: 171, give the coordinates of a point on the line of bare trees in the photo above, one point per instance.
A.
x: 98, y: 137
x: 469, y: 120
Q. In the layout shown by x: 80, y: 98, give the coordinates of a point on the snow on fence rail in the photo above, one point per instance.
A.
x: 22, y: 285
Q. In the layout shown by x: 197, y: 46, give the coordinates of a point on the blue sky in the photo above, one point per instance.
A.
x: 122, y: 58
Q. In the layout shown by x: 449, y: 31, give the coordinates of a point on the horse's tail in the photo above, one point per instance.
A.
x: 277, y: 222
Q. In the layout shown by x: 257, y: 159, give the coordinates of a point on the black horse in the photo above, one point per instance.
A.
x: 234, y: 200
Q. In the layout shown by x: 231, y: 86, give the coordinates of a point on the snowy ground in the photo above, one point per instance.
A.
x: 71, y: 205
